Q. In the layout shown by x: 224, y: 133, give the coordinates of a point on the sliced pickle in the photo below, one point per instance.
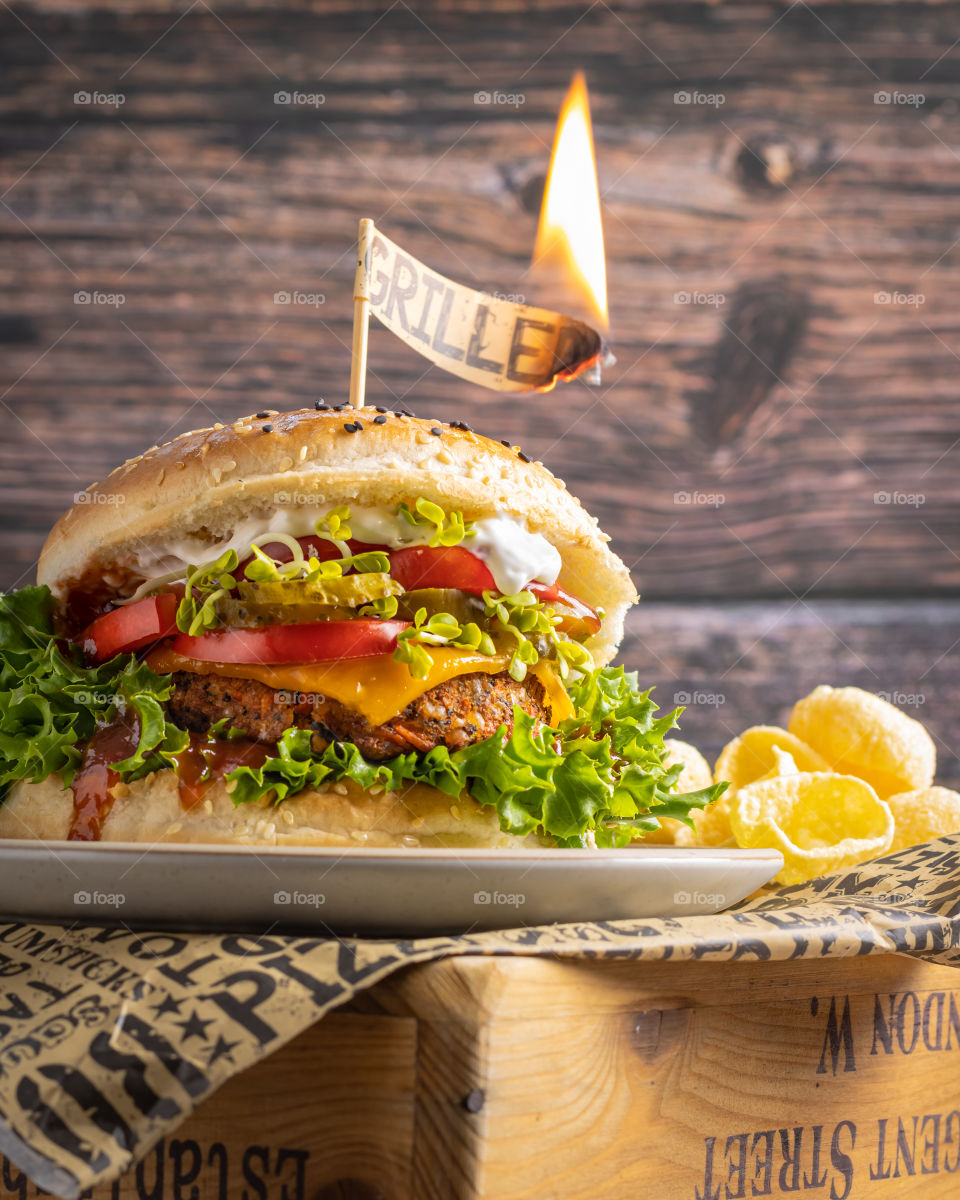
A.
x: 460, y: 605
x: 349, y: 591
x: 241, y: 614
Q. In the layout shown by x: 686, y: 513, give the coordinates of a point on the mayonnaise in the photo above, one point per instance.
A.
x: 514, y: 555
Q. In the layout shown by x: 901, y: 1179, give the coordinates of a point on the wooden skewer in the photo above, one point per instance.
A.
x: 361, y: 315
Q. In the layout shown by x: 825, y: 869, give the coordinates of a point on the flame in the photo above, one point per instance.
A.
x: 570, y: 235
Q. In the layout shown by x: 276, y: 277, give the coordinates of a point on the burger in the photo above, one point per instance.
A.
x: 329, y: 627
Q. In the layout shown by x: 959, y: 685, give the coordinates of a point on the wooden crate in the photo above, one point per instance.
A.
x: 527, y: 1078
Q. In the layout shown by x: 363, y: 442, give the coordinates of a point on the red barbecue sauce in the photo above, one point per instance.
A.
x: 92, y: 783
x: 205, y: 760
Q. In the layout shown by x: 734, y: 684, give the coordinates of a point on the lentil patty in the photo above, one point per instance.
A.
x: 464, y: 710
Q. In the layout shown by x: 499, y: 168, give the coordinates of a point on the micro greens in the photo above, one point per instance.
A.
x: 524, y: 618
x: 384, y: 607
x: 205, y: 585
x: 449, y: 529
x: 438, y: 629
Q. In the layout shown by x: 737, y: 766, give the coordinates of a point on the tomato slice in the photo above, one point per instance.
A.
x: 363, y: 638
x: 440, y: 567
x: 580, y: 620
x: 131, y: 627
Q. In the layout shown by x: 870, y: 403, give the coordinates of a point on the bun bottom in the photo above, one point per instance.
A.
x: 149, y: 810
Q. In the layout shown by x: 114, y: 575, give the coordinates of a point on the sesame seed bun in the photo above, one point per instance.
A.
x: 199, y: 487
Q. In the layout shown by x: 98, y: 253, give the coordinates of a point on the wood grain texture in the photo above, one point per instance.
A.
x: 780, y: 412
x: 487, y: 990
x: 739, y: 664
x: 626, y: 1079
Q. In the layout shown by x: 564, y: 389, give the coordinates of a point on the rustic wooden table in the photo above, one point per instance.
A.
x: 775, y: 451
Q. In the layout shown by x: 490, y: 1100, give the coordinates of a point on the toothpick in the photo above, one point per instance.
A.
x: 361, y: 314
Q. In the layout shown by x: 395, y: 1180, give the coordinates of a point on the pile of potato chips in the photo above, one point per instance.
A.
x: 851, y: 778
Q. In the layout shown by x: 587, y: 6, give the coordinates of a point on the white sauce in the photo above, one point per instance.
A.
x: 514, y: 555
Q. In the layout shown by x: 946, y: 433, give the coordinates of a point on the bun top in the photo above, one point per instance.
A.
x: 199, y: 488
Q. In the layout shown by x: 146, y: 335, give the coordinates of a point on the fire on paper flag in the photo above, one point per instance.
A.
x: 496, y: 343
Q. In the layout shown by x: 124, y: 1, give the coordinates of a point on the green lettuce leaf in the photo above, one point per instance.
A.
x: 51, y: 703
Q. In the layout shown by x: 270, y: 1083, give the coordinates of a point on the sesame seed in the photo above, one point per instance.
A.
x: 504, y: 442
x: 268, y: 429
x: 321, y: 407
x: 461, y: 425
x: 349, y: 427
x: 358, y: 425
x: 379, y: 420
x: 262, y: 416
x: 436, y: 430
x: 380, y: 410
x: 338, y: 408
x: 522, y: 456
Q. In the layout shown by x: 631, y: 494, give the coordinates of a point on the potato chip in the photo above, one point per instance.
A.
x: 695, y: 775
x: 761, y: 752
x: 928, y: 813
x: 860, y: 734
x: 752, y: 755
x: 784, y: 764
x: 819, y: 821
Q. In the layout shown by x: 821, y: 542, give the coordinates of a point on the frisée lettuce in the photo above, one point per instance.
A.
x: 51, y: 703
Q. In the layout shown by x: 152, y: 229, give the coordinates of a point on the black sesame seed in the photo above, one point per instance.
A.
x: 504, y: 442
x: 522, y: 456
x: 350, y: 427
x: 321, y: 407
x: 380, y: 410
x: 379, y: 420
x: 262, y: 416
x: 339, y: 407
x: 358, y: 426
x: 461, y: 425
x: 268, y: 429
x: 436, y: 430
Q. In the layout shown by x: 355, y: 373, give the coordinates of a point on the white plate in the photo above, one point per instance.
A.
x: 404, y: 893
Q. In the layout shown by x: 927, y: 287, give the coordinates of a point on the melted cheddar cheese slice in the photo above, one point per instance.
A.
x: 378, y: 688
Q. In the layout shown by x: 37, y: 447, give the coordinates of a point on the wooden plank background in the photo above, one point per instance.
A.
x: 776, y: 458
